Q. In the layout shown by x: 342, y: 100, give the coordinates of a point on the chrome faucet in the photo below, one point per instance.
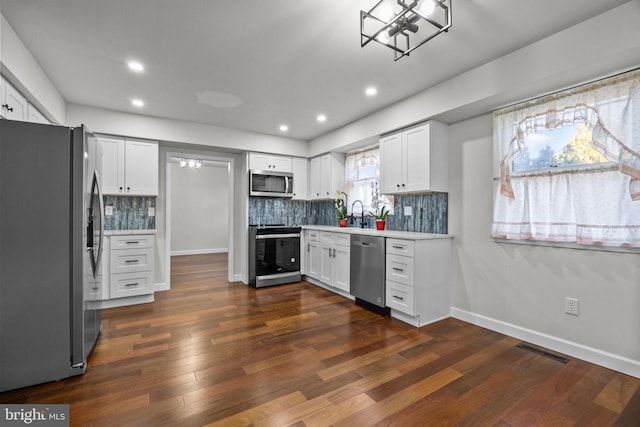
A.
x: 362, y: 221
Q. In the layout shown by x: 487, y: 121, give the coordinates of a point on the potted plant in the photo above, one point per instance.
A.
x: 341, y: 208
x: 380, y: 216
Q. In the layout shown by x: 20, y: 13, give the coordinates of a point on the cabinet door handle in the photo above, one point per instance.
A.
x: 334, y: 252
x: 95, y: 288
x: 329, y: 252
x: 308, y: 248
x: 397, y: 297
x: 132, y: 242
x: 7, y: 107
x: 132, y: 284
x: 132, y: 261
x: 397, y: 269
x: 397, y: 247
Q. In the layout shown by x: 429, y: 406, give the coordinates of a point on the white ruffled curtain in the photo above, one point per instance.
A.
x: 362, y: 172
x: 589, y: 206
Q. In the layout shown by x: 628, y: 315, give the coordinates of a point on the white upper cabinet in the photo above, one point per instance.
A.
x: 326, y: 176
x: 300, y: 168
x: 35, y: 116
x: 270, y: 162
x: 14, y: 105
x: 415, y: 160
x: 129, y: 167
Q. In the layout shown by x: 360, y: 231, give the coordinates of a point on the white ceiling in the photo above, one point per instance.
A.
x: 255, y: 64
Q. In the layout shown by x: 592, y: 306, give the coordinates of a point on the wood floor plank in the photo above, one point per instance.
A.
x: 213, y: 352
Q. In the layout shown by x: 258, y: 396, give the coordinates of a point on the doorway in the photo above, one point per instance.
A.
x: 199, y: 208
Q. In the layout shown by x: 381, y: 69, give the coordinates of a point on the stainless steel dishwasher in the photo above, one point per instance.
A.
x: 368, y: 269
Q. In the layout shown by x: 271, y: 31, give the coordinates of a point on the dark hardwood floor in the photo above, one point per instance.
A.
x: 210, y: 352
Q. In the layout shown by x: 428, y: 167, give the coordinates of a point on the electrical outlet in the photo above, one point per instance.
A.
x: 152, y: 212
x: 108, y: 210
x: 572, y: 306
x: 408, y: 211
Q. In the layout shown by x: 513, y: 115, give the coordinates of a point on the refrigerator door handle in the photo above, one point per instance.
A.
x: 96, y: 178
x: 95, y: 255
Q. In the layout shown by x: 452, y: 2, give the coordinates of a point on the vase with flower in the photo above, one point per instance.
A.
x: 341, y: 208
x: 380, y: 215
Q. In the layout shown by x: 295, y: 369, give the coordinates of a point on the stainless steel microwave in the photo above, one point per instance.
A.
x: 270, y: 183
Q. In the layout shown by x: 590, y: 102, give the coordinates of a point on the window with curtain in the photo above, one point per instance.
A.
x: 568, y: 166
x: 362, y: 174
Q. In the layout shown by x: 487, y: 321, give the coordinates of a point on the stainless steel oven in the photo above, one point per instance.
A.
x: 274, y: 255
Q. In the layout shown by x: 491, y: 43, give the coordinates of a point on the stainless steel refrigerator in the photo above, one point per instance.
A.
x: 51, y: 229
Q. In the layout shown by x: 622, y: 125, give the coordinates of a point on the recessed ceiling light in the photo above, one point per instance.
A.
x: 371, y: 91
x: 135, y: 66
x: 284, y: 128
x: 137, y: 103
x: 321, y: 118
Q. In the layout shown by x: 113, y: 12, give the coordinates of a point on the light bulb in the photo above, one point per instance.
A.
x: 183, y: 163
x: 386, y: 12
x: 135, y: 66
x: 383, y: 37
x: 427, y: 7
x: 192, y: 163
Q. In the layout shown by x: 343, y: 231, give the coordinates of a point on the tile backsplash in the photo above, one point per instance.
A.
x: 430, y: 212
x: 130, y: 213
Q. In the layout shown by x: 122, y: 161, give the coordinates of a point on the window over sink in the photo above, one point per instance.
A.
x: 362, y: 177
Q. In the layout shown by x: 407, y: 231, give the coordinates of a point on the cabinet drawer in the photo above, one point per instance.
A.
x: 401, y: 247
x: 129, y: 260
x: 131, y: 284
x: 326, y: 236
x: 342, y: 239
x: 400, y: 297
x: 132, y: 241
x: 400, y: 269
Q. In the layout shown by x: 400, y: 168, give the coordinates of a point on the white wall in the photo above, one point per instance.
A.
x: 199, y: 209
x: 521, y: 289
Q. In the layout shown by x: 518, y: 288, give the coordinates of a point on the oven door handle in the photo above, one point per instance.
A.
x: 277, y: 236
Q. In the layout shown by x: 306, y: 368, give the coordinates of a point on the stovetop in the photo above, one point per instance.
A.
x: 275, y: 228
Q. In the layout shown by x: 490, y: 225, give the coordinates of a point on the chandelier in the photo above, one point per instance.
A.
x: 190, y: 163
x: 404, y: 25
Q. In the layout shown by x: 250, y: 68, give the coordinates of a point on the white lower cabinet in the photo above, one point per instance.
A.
x: 417, y: 280
x: 311, y: 258
x: 327, y: 258
x: 335, y: 260
x: 130, y: 266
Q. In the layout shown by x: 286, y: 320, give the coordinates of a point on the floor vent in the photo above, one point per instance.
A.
x: 542, y: 352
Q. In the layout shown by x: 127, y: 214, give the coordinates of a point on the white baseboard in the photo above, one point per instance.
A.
x: 589, y: 354
x: 199, y: 252
x: 121, y: 302
x: 160, y: 287
x: 327, y: 287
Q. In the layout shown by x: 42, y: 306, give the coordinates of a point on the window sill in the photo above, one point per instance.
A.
x: 568, y: 246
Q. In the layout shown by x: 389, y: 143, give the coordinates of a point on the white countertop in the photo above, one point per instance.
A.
x: 410, y: 235
x: 126, y: 232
